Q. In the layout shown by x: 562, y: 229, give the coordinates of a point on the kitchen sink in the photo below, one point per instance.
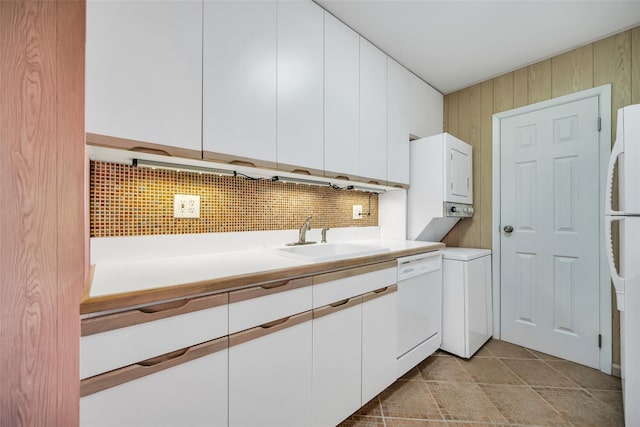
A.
x: 327, y: 251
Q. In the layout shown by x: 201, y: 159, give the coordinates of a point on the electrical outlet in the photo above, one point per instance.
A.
x: 186, y: 206
x: 357, y: 211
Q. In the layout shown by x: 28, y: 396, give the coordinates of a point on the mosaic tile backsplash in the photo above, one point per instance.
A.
x: 130, y: 201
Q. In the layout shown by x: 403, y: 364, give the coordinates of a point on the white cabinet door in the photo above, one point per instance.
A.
x: 270, y: 374
x: 193, y: 393
x: 379, y: 341
x: 337, y: 335
x: 300, y: 85
x: 341, y: 98
x: 239, y: 80
x: 144, y: 72
x: 425, y: 108
x: 373, y: 113
x: 397, y: 123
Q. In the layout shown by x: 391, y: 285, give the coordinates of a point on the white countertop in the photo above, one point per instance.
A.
x: 140, y: 275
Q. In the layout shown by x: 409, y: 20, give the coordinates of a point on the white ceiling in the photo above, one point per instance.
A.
x: 453, y: 44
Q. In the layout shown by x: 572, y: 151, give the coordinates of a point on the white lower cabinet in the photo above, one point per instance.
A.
x: 337, y: 354
x: 270, y: 374
x: 184, y: 388
x: 379, y: 341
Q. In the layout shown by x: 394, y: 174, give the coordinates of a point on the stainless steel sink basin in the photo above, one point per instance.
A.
x: 327, y: 251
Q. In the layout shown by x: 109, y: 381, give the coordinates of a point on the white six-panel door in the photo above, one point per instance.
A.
x: 550, y: 261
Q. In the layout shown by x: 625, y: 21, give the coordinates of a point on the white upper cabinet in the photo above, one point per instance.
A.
x: 341, y: 98
x: 239, y: 80
x: 144, y: 72
x: 426, y: 108
x: 398, y: 113
x: 373, y: 113
x: 300, y: 85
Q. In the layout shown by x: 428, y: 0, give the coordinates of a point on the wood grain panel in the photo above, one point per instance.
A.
x: 445, y: 113
x: 635, y: 68
x: 73, y: 226
x: 520, y: 87
x: 484, y: 184
x: 612, y: 64
x: 572, y: 71
x: 469, y: 130
x: 503, y: 93
x: 41, y: 116
x: 539, y: 82
x: 452, y: 122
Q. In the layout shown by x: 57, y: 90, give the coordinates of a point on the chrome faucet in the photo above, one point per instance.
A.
x: 324, y: 234
x: 302, y: 233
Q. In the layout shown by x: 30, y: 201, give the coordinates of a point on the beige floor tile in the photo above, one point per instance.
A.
x: 409, y: 399
x: 538, y: 373
x: 489, y: 371
x: 586, y: 377
x: 464, y: 402
x: 360, y: 421
x: 505, y: 349
x: 413, y: 375
x: 521, y: 405
x: 457, y: 424
x: 544, y: 356
x: 612, y: 398
x: 404, y: 422
x: 580, y: 408
x: 371, y: 408
x: 484, y: 352
x: 444, y: 369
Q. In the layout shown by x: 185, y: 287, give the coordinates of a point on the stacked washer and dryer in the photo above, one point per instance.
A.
x: 440, y: 195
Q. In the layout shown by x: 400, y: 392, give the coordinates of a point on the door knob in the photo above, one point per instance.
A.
x: 508, y: 229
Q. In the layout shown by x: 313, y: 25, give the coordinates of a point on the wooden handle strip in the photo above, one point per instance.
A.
x: 328, y: 277
x: 333, y: 308
x: 108, y: 322
x: 268, y: 328
x: 269, y: 289
x: 133, y: 372
x: 379, y: 293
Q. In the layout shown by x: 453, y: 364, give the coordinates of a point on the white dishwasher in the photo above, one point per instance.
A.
x: 419, y: 308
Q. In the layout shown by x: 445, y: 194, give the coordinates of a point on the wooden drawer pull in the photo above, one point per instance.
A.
x: 268, y: 328
x: 268, y: 289
x: 379, y: 293
x: 164, y: 307
x: 150, y: 151
x: 150, y: 366
x: 164, y: 358
x: 275, y: 284
x: 346, y: 178
x: 301, y: 171
x: 242, y: 163
x: 339, y: 303
x: 275, y: 323
x: 109, y: 322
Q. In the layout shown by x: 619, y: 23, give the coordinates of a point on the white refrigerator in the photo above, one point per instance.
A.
x: 626, y: 278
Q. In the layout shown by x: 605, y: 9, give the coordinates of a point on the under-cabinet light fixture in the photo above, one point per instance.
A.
x: 300, y: 181
x: 152, y: 164
x: 367, y: 189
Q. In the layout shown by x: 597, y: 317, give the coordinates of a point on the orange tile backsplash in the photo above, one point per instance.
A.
x: 131, y: 201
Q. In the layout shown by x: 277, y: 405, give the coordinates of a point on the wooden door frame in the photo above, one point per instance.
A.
x: 604, y: 105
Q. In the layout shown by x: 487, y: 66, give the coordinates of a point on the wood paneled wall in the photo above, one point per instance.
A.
x: 468, y: 115
x: 42, y: 211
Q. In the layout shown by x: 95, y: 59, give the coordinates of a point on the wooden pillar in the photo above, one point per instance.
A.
x: 42, y: 210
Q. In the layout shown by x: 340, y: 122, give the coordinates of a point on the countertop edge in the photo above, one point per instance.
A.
x: 90, y: 305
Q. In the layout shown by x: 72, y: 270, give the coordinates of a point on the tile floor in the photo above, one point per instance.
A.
x: 502, y: 385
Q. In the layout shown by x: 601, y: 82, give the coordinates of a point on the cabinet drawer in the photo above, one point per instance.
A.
x: 331, y: 287
x: 115, y: 340
x: 152, y: 393
x: 265, y: 303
